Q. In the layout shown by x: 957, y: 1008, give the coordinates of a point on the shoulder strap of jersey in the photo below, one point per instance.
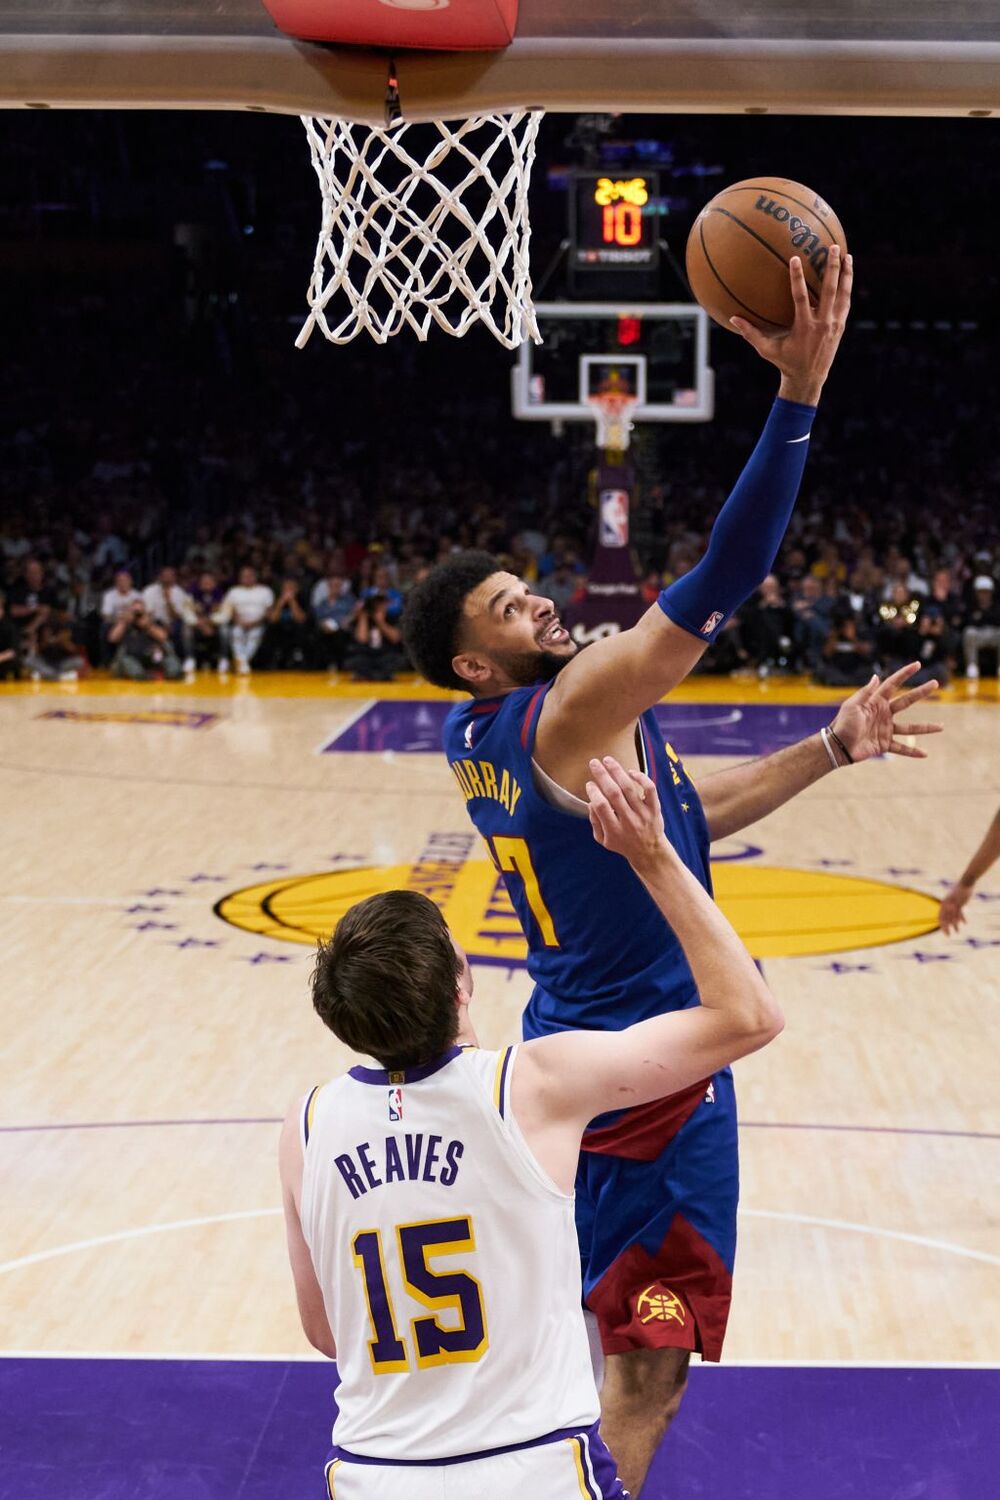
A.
x: 501, y: 1080
x: 308, y: 1112
x: 530, y: 717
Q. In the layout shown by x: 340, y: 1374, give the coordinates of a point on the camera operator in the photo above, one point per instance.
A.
x: 376, y: 653
x: 143, y: 649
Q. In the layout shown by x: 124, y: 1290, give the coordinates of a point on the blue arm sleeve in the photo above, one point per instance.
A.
x: 748, y: 529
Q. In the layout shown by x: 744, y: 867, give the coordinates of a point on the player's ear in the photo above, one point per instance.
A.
x: 473, y: 669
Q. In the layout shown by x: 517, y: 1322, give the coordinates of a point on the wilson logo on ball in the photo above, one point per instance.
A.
x: 803, y: 236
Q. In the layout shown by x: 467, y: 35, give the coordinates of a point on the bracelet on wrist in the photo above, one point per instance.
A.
x: 831, y: 738
x: 849, y: 758
x: 824, y: 735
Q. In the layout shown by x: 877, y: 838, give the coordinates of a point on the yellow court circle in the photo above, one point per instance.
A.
x: 779, y: 912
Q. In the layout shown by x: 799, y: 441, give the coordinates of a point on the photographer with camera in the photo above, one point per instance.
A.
x: 376, y: 653
x: 143, y: 649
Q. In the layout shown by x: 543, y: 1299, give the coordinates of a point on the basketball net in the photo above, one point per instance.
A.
x: 422, y: 224
x: 613, y: 407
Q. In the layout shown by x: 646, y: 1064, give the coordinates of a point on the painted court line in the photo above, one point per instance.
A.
x: 133, y: 1234
x: 186, y: 1357
x: 309, y: 1358
x: 349, y: 722
x: 964, y: 1135
x: 869, y: 1229
x: 56, y: 1251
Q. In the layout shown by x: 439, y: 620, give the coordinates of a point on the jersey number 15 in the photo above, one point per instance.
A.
x: 437, y: 1290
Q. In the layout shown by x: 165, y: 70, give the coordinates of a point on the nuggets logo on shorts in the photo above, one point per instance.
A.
x: 658, y: 1303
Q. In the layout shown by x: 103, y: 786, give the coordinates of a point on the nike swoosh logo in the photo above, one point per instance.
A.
x: 801, y: 439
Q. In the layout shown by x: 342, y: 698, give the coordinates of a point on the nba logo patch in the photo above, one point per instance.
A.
x: 710, y: 624
x: 395, y: 1105
x: 614, y: 518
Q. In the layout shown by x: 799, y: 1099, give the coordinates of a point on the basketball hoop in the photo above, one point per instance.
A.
x: 613, y: 415
x: 422, y: 224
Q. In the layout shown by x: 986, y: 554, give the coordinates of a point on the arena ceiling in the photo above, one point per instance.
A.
x: 672, y: 56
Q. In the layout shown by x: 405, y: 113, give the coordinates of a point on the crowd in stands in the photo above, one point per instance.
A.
x: 851, y: 593
x: 254, y: 534
x: 182, y: 490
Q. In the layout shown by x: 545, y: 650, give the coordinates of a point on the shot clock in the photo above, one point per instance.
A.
x: 614, y: 228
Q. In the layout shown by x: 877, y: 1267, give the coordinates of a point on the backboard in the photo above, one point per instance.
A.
x: 658, y: 351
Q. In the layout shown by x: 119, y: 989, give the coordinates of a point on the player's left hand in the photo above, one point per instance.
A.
x: 867, y: 721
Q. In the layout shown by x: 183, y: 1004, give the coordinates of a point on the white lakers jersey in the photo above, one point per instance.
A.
x: 448, y: 1262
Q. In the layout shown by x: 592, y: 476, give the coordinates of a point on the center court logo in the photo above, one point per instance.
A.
x: 658, y: 1304
x: 778, y: 912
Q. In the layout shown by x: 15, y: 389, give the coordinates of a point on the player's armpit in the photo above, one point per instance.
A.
x: 563, y: 1081
x: 616, y: 679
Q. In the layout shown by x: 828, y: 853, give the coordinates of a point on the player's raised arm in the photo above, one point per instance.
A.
x: 623, y: 675
x: 576, y: 1075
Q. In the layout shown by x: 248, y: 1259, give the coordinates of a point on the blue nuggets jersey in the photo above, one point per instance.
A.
x: 601, y: 954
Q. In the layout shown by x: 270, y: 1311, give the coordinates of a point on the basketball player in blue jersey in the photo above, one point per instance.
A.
x: 429, y: 1199
x: 657, y: 1187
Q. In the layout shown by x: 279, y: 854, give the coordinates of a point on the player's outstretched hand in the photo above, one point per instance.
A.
x: 866, y: 723
x: 952, y: 916
x: 805, y: 353
x: 625, y: 812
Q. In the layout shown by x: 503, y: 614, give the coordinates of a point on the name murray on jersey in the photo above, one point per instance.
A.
x: 402, y: 1158
x: 478, y: 778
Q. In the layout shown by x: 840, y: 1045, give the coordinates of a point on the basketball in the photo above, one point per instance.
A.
x: 740, y: 245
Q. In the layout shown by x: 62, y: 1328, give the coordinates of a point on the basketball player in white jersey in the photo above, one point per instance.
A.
x: 429, y: 1199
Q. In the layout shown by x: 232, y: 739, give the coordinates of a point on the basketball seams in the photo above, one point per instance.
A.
x: 753, y: 187
x: 728, y: 290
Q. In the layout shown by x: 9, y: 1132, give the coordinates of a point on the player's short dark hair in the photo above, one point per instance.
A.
x: 385, y: 982
x: 434, y: 610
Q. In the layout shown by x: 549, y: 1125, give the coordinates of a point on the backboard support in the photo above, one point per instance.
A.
x: 780, y: 56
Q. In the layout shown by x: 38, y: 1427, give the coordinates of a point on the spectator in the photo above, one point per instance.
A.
x: 897, y: 637
x: 376, y: 652
x: 829, y: 564
x: 120, y: 597
x: 143, y: 651
x: 334, y: 607
x: 981, y: 625
x: 31, y: 600
x: 940, y: 617
x: 811, y: 616
x: 767, y: 626
x: 244, y: 612
x: 109, y: 549
x: 8, y: 645
x: 172, y: 607
x: 562, y: 583
x: 287, y: 638
x: 206, y: 597
x: 50, y: 651
x: 847, y: 655
x: 900, y: 573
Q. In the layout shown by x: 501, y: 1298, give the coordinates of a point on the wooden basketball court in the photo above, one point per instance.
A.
x: 170, y: 853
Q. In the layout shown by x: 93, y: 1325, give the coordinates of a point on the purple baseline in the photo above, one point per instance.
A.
x: 105, y: 1429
